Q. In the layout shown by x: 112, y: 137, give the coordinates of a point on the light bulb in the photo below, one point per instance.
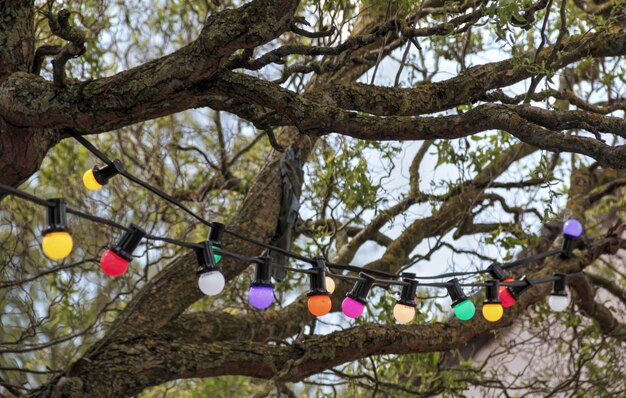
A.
x: 112, y: 264
x: 217, y: 257
x: 558, y: 303
x: 261, y: 297
x: 493, y: 312
x: 572, y: 228
x: 319, y: 304
x: 509, y: 295
x: 465, y: 310
x: 505, y: 296
x: 330, y: 284
x: 57, y: 245
x: 89, y: 179
x: 211, y: 283
x: 352, y: 308
x: 403, y: 313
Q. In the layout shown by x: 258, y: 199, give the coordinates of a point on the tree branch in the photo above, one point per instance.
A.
x: 60, y: 26
x: 155, y: 361
x: 156, y: 88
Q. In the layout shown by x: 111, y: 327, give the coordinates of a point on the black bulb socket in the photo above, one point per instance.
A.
x: 491, y: 289
x: 56, y: 216
x: 216, y: 234
x: 361, y: 288
x: 206, y: 258
x: 558, y: 289
x: 317, y: 279
x: 569, y: 244
x: 517, y: 291
x: 263, y: 272
x: 105, y: 173
x: 455, y: 291
x: 129, y: 241
x: 496, y: 272
x: 407, y: 294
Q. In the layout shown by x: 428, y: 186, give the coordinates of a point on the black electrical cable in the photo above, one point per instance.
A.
x: 90, y: 147
x: 164, y: 196
x: 288, y: 253
x: 346, y: 267
x: 352, y: 268
x: 79, y: 137
x: 530, y: 259
x: 507, y: 265
x: 24, y: 195
x: 96, y: 219
x: 388, y: 282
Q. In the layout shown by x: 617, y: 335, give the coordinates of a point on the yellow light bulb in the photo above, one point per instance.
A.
x: 90, y: 181
x: 493, y: 312
x: 403, y: 313
x: 330, y: 284
x: 57, y: 245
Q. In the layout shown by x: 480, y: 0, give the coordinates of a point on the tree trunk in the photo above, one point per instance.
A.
x: 22, y: 149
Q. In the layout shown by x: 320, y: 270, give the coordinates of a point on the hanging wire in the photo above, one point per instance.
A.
x: 123, y: 172
x: 388, y: 282
x: 118, y: 166
x: 191, y: 245
x: 386, y: 278
x: 42, y: 202
x: 344, y: 267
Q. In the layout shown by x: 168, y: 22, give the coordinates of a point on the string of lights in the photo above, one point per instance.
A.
x: 501, y: 292
x: 97, y: 177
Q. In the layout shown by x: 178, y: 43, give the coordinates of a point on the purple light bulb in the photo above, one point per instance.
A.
x: 261, y: 297
x: 572, y: 228
x: 352, y: 308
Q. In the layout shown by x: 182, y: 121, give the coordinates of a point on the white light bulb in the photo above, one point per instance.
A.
x: 211, y: 283
x: 330, y: 285
x: 558, y: 303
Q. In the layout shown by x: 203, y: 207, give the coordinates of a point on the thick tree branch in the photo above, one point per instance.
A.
x: 41, y: 53
x: 609, y: 286
x: 471, y: 84
x: 585, y: 299
x: 156, y: 88
x: 188, y: 87
x: 16, y: 37
x: 532, y: 125
x: 154, y: 361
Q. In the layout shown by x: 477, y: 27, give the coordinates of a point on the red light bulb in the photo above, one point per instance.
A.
x: 112, y: 264
x: 505, y: 295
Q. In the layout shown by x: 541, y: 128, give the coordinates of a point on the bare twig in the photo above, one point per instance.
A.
x: 41, y: 54
x: 273, y: 141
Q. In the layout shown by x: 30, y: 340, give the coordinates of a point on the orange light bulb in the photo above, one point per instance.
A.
x: 319, y: 304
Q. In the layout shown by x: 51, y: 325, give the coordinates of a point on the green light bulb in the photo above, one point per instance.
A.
x: 217, y: 257
x: 465, y: 310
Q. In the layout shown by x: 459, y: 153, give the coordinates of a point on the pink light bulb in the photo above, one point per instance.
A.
x: 352, y: 308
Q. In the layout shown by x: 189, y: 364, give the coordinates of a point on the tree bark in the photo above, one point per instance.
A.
x: 22, y: 149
